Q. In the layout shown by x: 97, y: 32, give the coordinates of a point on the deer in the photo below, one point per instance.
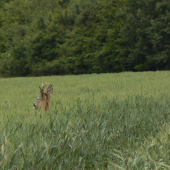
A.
x: 43, y: 101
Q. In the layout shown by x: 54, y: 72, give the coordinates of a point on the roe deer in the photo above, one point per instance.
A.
x: 43, y: 101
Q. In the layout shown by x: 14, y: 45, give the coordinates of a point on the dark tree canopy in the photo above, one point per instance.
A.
x: 39, y: 37
x: 145, y: 34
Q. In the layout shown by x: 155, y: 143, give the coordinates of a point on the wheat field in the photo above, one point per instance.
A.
x: 97, y: 121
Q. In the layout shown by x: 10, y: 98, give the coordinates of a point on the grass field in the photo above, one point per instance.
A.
x: 98, y: 121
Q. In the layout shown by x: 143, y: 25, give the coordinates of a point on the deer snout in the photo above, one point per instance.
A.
x: 34, y: 105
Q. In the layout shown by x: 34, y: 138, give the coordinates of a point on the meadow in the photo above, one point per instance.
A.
x: 97, y: 121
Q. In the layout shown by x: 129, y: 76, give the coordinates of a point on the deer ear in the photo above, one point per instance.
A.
x: 50, y: 89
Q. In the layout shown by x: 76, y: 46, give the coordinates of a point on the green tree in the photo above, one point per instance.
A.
x: 59, y: 37
x: 145, y: 34
x: 108, y: 34
x: 93, y: 36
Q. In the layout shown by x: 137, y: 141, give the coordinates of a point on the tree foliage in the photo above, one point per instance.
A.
x: 145, y: 35
x: 76, y: 36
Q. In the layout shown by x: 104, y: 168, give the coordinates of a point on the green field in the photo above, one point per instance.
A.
x: 98, y: 121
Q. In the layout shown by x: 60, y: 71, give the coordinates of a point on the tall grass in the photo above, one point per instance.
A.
x: 107, y: 121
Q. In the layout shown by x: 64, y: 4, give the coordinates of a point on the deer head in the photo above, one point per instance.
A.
x: 43, y: 101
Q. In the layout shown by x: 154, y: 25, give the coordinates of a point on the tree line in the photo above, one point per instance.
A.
x: 57, y: 37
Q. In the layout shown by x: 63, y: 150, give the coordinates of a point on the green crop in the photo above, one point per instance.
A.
x: 98, y: 121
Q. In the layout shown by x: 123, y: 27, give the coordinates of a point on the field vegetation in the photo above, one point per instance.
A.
x: 98, y: 121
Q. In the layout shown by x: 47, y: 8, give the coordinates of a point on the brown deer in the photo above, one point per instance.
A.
x: 43, y: 101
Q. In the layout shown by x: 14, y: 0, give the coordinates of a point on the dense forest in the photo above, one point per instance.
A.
x: 57, y: 37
